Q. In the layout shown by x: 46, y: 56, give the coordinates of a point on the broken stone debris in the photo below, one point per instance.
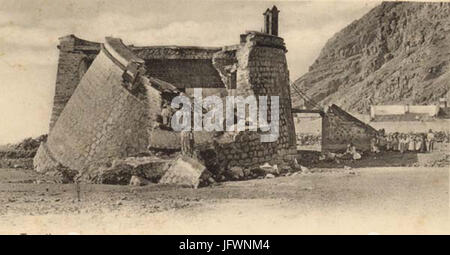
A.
x: 121, y: 171
x: 184, y: 171
x: 138, y: 181
x: 269, y: 176
x: 267, y: 168
x: 236, y: 173
x: 304, y: 169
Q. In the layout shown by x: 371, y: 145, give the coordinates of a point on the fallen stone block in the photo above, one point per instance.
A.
x: 304, y: 169
x: 270, y: 176
x: 236, y: 172
x: 267, y: 168
x: 138, y: 181
x: 164, y: 139
x: 184, y: 171
x: 122, y: 170
x: 150, y: 168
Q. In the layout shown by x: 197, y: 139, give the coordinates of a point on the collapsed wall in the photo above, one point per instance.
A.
x: 340, y: 128
x: 182, y: 66
x: 103, y: 118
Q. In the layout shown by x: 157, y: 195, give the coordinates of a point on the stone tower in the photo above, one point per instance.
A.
x: 271, y: 21
x: 260, y: 66
x: 75, y: 57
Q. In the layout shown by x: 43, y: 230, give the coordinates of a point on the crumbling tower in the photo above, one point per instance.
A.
x: 271, y: 21
x: 261, y: 70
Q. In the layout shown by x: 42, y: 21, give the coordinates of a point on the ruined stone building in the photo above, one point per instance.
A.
x: 340, y: 128
x: 336, y: 127
x: 109, y: 95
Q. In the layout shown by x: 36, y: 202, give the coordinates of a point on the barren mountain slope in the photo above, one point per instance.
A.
x: 397, y: 53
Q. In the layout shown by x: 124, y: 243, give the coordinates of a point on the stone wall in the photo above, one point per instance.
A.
x: 184, y: 67
x: 185, y: 73
x: 339, y: 128
x: 75, y: 57
x: 379, y: 110
x: 103, y: 119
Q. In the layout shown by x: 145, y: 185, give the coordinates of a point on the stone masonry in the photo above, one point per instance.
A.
x: 75, y: 57
x: 108, y: 97
x: 340, y: 128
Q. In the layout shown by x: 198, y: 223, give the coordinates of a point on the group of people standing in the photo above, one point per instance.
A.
x: 408, y: 142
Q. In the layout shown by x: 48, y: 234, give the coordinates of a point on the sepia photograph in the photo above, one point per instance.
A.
x: 221, y: 117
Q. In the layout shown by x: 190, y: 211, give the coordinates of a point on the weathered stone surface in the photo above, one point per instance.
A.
x: 236, y: 172
x: 270, y: 169
x: 138, y: 181
x: 122, y: 170
x: 113, y: 111
x: 102, y: 119
x: 269, y: 176
x: 163, y: 139
x: 339, y: 128
x: 185, y: 172
x: 150, y: 168
x: 43, y: 160
x: 75, y: 57
x: 261, y: 70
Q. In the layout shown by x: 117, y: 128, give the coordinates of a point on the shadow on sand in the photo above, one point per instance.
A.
x: 382, y: 159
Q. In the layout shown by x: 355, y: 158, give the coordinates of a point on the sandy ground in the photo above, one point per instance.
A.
x: 385, y: 200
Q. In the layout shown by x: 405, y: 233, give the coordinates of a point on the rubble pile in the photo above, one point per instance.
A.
x: 20, y: 155
x: 122, y: 171
x: 309, y: 139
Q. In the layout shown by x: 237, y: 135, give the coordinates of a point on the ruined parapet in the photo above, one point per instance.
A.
x: 183, y: 66
x: 225, y: 62
x: 107, y: 115
x: 75, y: 57
x: 340, y: 128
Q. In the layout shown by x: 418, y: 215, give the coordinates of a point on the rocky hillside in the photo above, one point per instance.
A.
x: 397, y: 53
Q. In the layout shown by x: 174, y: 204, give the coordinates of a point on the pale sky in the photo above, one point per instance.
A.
x: 29, y: 31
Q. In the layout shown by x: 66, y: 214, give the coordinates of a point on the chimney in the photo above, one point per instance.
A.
x: 271, y: 21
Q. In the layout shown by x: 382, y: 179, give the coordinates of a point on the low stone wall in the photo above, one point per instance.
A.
x: 380, y: 110
x: 246, y: 150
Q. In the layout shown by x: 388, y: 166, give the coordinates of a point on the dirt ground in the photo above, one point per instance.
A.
x: 385, y: 200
